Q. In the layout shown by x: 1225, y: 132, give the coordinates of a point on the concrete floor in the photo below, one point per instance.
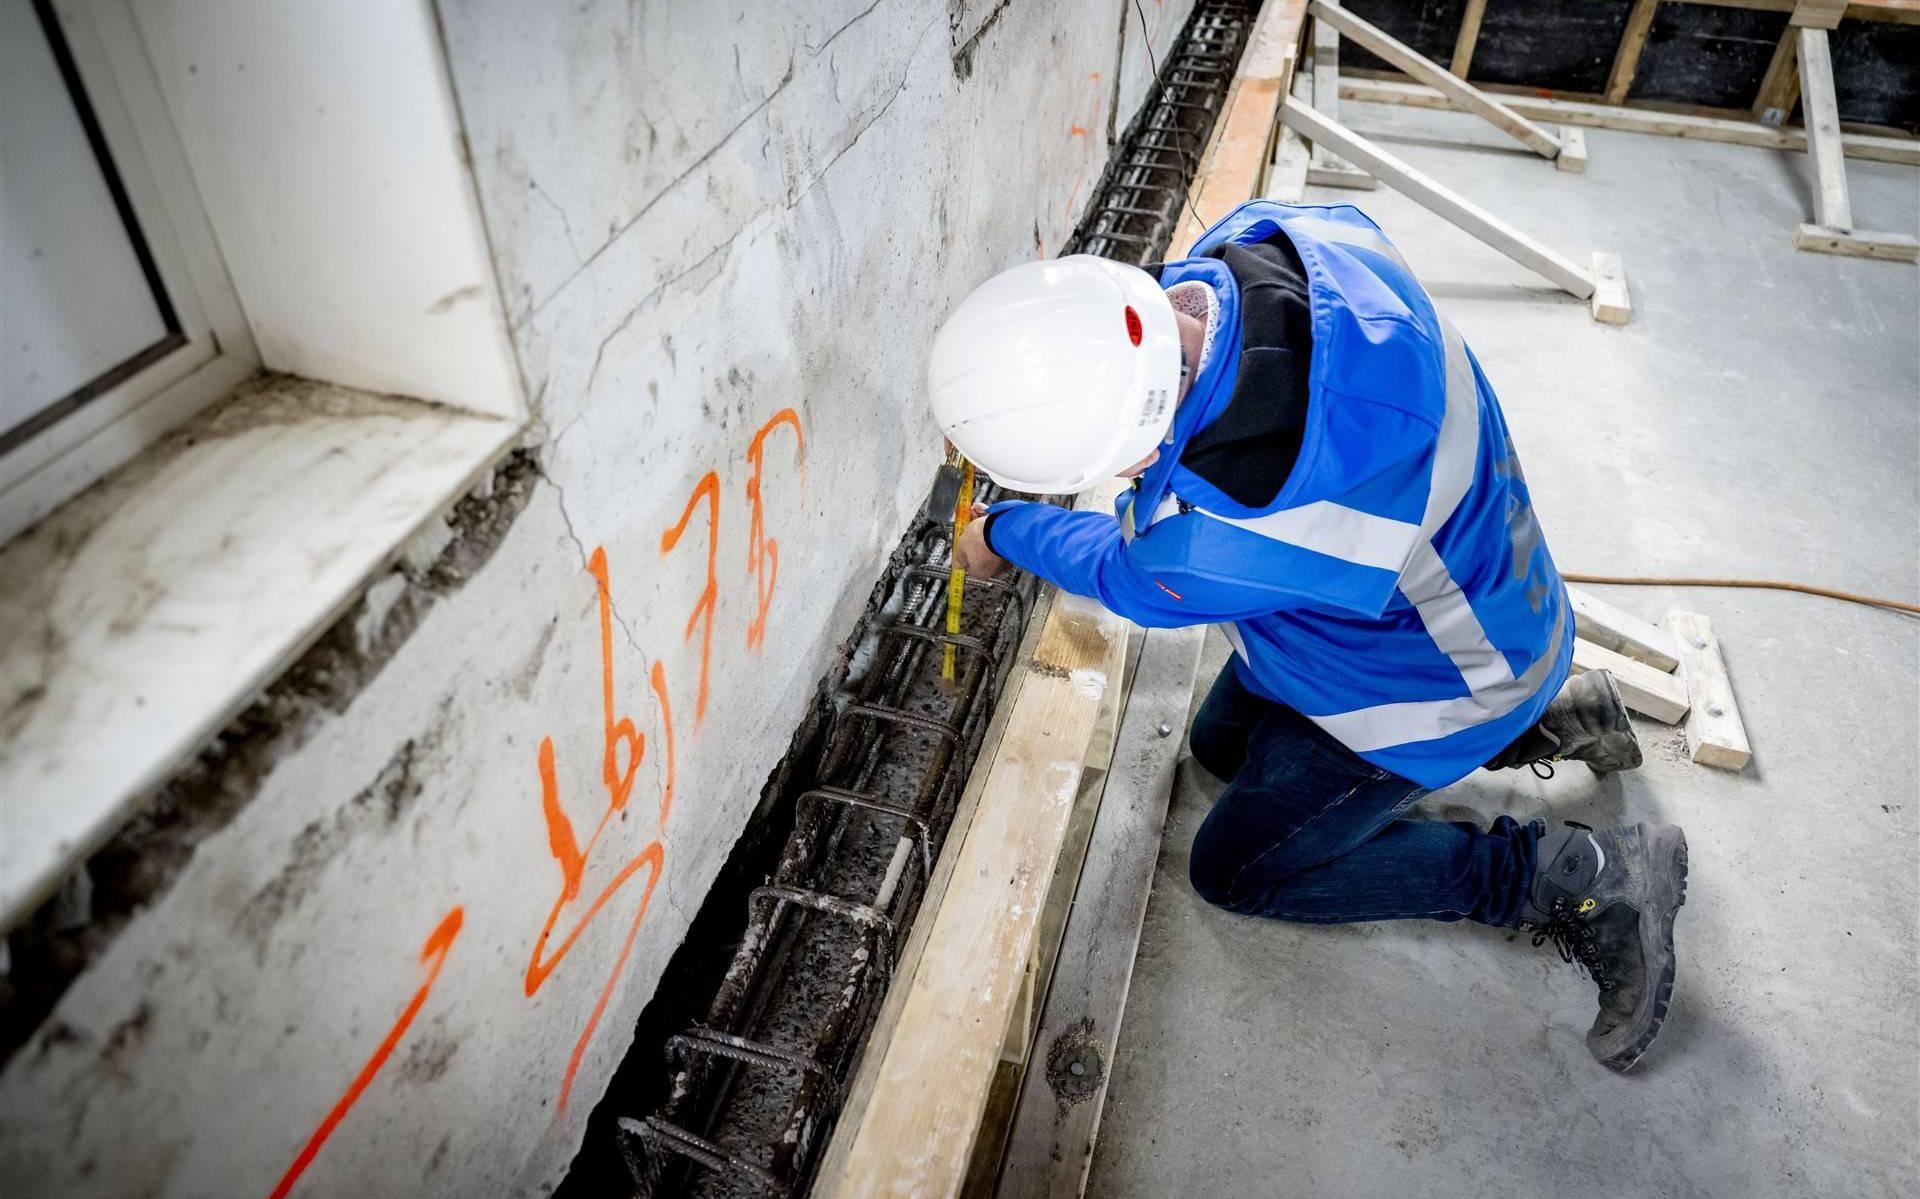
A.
x: 1761, y: 416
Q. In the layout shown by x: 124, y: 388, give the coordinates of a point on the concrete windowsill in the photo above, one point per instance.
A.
x: 136, y: 621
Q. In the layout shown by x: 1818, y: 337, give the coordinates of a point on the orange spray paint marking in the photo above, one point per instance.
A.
x: 435, y: 950
x: 709, y: 486
x: 763, y: 552
x: 659, y: 681
x: 565, y: 846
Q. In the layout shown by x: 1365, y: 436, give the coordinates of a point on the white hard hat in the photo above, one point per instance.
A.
x: 1055, y: 375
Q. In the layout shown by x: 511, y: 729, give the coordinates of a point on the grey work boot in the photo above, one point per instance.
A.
x: 1586, y: 722
x: 1607, y: 901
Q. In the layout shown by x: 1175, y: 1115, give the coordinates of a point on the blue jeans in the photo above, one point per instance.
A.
x: 1308, y: 830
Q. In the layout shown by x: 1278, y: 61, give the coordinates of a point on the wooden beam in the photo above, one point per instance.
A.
x: 1611, y: 302
x: 1058, y: 1117
x: 1852, y: 243
x: 917, y: 1132
x: 1325, y: 167
x: 1463, y: 94
x: 1832, y: 231
x: 1233, y: 166
x: 1573, y: 151
x: 1622, y: 632
x: 1905, y: 12
x: 1469, y: 37
x: 1830, y: 204
x: 1432, y: 195
x: 1817, y: 14
x: 1715, y: 734
x: 1626, y: 59
x: 1647, y: 691
x: 1780, y: 86
x: 1871, y: 147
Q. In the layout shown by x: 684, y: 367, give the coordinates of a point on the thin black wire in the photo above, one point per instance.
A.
x: 1187, y: 193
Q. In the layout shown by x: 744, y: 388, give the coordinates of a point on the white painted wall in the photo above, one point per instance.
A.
x: 701, y: 216
x: 354, y: 256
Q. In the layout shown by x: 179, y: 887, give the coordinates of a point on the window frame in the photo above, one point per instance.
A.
x: 114, y: 417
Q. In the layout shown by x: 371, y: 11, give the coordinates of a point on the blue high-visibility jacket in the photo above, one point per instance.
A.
x: 1397, y: 590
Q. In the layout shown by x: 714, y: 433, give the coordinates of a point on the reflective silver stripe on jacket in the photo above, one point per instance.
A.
x: 1325, y: 528
x: 1358, y: 236
x: 1448, y: 616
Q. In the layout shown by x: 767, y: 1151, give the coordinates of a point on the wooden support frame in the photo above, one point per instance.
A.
x: 1870, y: 147
x: 1467, y: 39
x: 1464, y: 95
x: 1429, y: 193
x: 1324, y: 167
x: 1832, y: 230
x: 1050, y: 1145
x: 1671, y: 672
x: 1780, y: 86
x: 1626, y: 58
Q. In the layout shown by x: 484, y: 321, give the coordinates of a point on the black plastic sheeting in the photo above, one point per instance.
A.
x: 1703, y: 54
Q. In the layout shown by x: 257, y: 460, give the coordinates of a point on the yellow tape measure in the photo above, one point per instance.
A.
x: 957, y: 578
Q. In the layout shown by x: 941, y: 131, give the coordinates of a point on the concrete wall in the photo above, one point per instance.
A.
x: 410, y: 960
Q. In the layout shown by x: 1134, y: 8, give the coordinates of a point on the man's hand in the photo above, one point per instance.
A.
x: 971, y: 553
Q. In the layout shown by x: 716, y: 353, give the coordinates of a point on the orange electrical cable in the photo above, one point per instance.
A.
x: 1871, y: 601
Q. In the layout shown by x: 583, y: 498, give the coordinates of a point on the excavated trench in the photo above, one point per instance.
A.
x: 740, y: 1061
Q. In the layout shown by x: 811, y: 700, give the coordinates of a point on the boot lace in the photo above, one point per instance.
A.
x: 1573, y: 938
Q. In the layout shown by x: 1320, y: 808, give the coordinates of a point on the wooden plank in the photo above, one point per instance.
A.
x: 1872, y: 147
x: 997, y: 1117
x: 1780, y: 86
x: 1463, y: 94
x: 1830, y: 204
x: 1573, y: 151
x: 1715, y: 734
x: 1468, y: 38
x: 1325, y: 167
x: 1233, y: 166
x: 867, y: 1068
x: 1432, y: 195
x: 1287, y: 179
x: 1611, y: 303
x: 1817, y: 14
x: 1058, y: 1116
x: 1626, y: 59
x: 917, y: 1132
x: 1905, y: 12
x: 1890, y: 247
x: 1622, y: 632
x: 1647, y: 691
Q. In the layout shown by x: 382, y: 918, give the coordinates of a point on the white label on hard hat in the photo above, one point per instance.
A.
x: 1155, y: 405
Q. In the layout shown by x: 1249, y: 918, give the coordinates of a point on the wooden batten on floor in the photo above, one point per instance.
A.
x: 1715, y: 734
x: 1647, y: 691
x: 1622, y: 632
